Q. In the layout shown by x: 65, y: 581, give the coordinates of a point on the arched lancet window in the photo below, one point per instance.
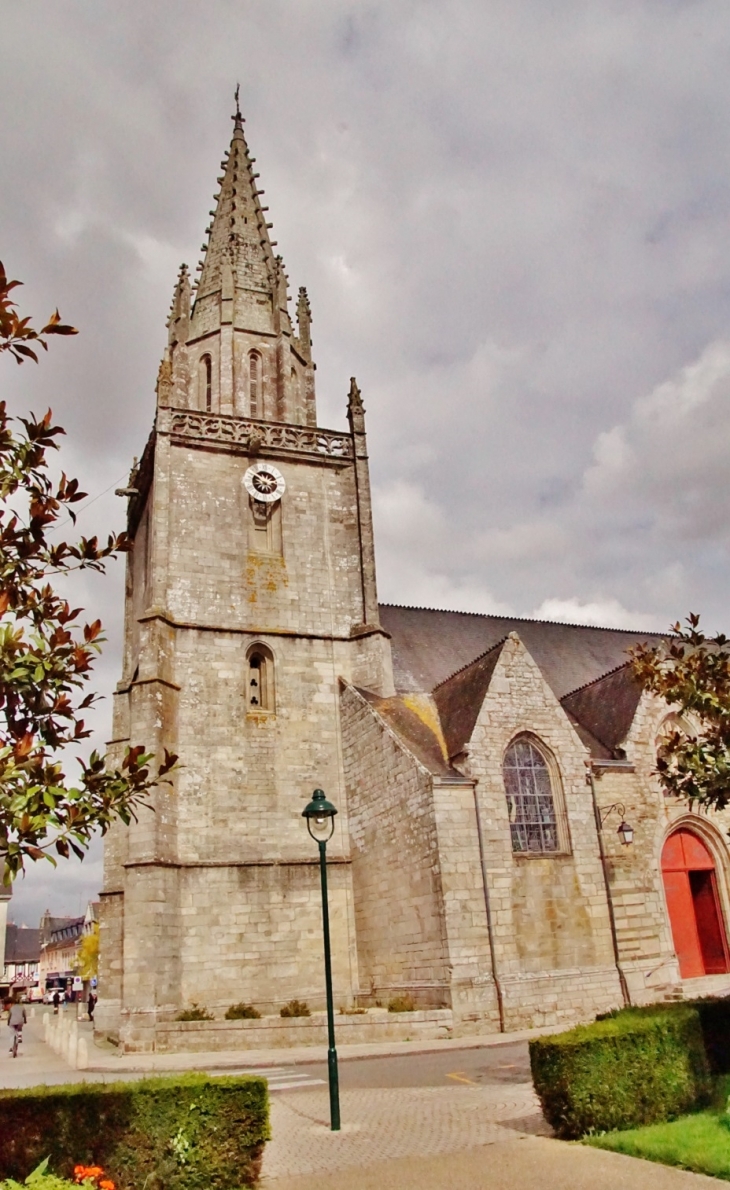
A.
x: 260, y: 680
x: 255, y: 394
x: 206, y: 381
x: 530, y: 799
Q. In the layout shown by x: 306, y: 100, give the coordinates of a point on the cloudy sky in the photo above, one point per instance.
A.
x: 513, y: 219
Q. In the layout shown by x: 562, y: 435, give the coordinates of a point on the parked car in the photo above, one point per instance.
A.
x: 50, y: 993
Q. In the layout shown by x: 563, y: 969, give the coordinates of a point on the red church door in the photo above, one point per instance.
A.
x: 690, y: 885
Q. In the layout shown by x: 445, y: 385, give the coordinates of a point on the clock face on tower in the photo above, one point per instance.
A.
x: 264, y: 482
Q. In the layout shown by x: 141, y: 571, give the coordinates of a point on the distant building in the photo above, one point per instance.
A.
x: 60, y: 942
x: 21, y: 960
x: 60, y: 939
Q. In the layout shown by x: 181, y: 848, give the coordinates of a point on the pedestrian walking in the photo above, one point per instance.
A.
x: 56, y: 1002
x: 91, y: 1005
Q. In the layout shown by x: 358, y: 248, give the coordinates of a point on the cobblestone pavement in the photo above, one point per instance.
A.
x: 380, y: 1125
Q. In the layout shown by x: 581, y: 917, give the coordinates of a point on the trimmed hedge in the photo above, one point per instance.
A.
x: 191, y: 1132
x: 714, y: 1014
x: 633, y: 1068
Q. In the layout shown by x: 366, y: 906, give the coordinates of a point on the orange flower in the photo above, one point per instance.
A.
x: 92, y: 1173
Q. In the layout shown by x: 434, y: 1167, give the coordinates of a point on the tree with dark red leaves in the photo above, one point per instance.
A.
x: 46, y: 654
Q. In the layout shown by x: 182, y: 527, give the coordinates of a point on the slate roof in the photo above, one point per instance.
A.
x: 460, y: 697
x: 607, y: 706
x: 420, y: 739
x: 67, y: 930
x: 429, y: 646
x: 22, y: 945
x: 51, y: 925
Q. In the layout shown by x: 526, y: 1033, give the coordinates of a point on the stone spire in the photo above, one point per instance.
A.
x: 238, y: 262
x: 235, y: 352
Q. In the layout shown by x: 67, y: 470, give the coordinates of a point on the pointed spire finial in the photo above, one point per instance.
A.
x: 238, y: 117
x: 355, y: 397
x: 355, y: 410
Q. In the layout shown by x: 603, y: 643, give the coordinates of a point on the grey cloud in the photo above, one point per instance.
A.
x: 512, y: 221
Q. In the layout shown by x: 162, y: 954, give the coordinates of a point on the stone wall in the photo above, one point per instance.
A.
x: 419, y: 898
x: 552, y: 936
x: 401, y: 933
x: 643, y: 928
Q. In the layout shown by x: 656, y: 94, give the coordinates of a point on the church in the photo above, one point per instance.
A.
x: 502, y: 855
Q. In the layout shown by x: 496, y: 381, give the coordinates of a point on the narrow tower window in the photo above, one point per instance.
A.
x: 260, y: 680
x: 254, y: 389
x: 206, y: 381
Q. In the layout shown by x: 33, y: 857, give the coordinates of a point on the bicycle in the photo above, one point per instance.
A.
x: 17, y: 1038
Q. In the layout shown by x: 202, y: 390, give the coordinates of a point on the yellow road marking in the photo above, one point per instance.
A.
x: 461, y: 1078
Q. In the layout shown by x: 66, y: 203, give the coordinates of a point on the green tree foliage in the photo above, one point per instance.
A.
x: 691, y: 672
x: 87, y: 963
x: 46, y: 655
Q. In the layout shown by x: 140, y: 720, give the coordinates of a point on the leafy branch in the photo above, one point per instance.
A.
x: 46, y: 654
x: 691, y: 671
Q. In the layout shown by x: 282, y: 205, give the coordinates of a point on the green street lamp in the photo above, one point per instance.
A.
x: 320, y: 816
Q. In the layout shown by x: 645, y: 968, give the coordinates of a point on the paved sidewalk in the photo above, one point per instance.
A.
x: 523, y: 1163
x: 36, y: 1063
x: 442, y: 1138
x: 381, y: 1124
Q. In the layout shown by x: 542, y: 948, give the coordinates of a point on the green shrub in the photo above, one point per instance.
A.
x: 41, y: 1179
x: 633, y: 1068
x: 296, y: 1008
x: 195, y: 1014
x: 191, y: 1132
x: 714, y: 1017
x: 404, y: 1003
x: 242, y: 1012
x: 714, y: 1014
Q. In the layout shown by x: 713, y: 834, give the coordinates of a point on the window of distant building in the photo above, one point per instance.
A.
x: 531, y: 782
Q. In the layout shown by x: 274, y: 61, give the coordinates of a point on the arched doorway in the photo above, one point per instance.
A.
x: 690, y: 884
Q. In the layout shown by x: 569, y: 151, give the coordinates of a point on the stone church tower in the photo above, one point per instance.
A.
x: 250, y: 594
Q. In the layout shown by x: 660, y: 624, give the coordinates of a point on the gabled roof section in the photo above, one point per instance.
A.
x: 459, y: 698
x: 22, y: 945
x: 429, y: 645
x: 606, y: 707
x: 417, y: 726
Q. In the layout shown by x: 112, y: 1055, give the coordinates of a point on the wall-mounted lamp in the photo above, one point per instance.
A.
x: 625, y: 832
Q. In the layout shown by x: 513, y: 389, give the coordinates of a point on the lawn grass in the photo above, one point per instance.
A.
x: 699, y: 1142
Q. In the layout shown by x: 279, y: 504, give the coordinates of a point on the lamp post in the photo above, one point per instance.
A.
x: 320, y: 816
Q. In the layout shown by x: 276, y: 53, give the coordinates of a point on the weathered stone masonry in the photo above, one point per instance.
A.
x: 256, y: 650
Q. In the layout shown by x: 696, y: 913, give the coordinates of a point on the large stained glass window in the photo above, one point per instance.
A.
x: 530, y: 802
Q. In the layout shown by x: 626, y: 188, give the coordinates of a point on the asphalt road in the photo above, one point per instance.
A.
x: 495, y: 1064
